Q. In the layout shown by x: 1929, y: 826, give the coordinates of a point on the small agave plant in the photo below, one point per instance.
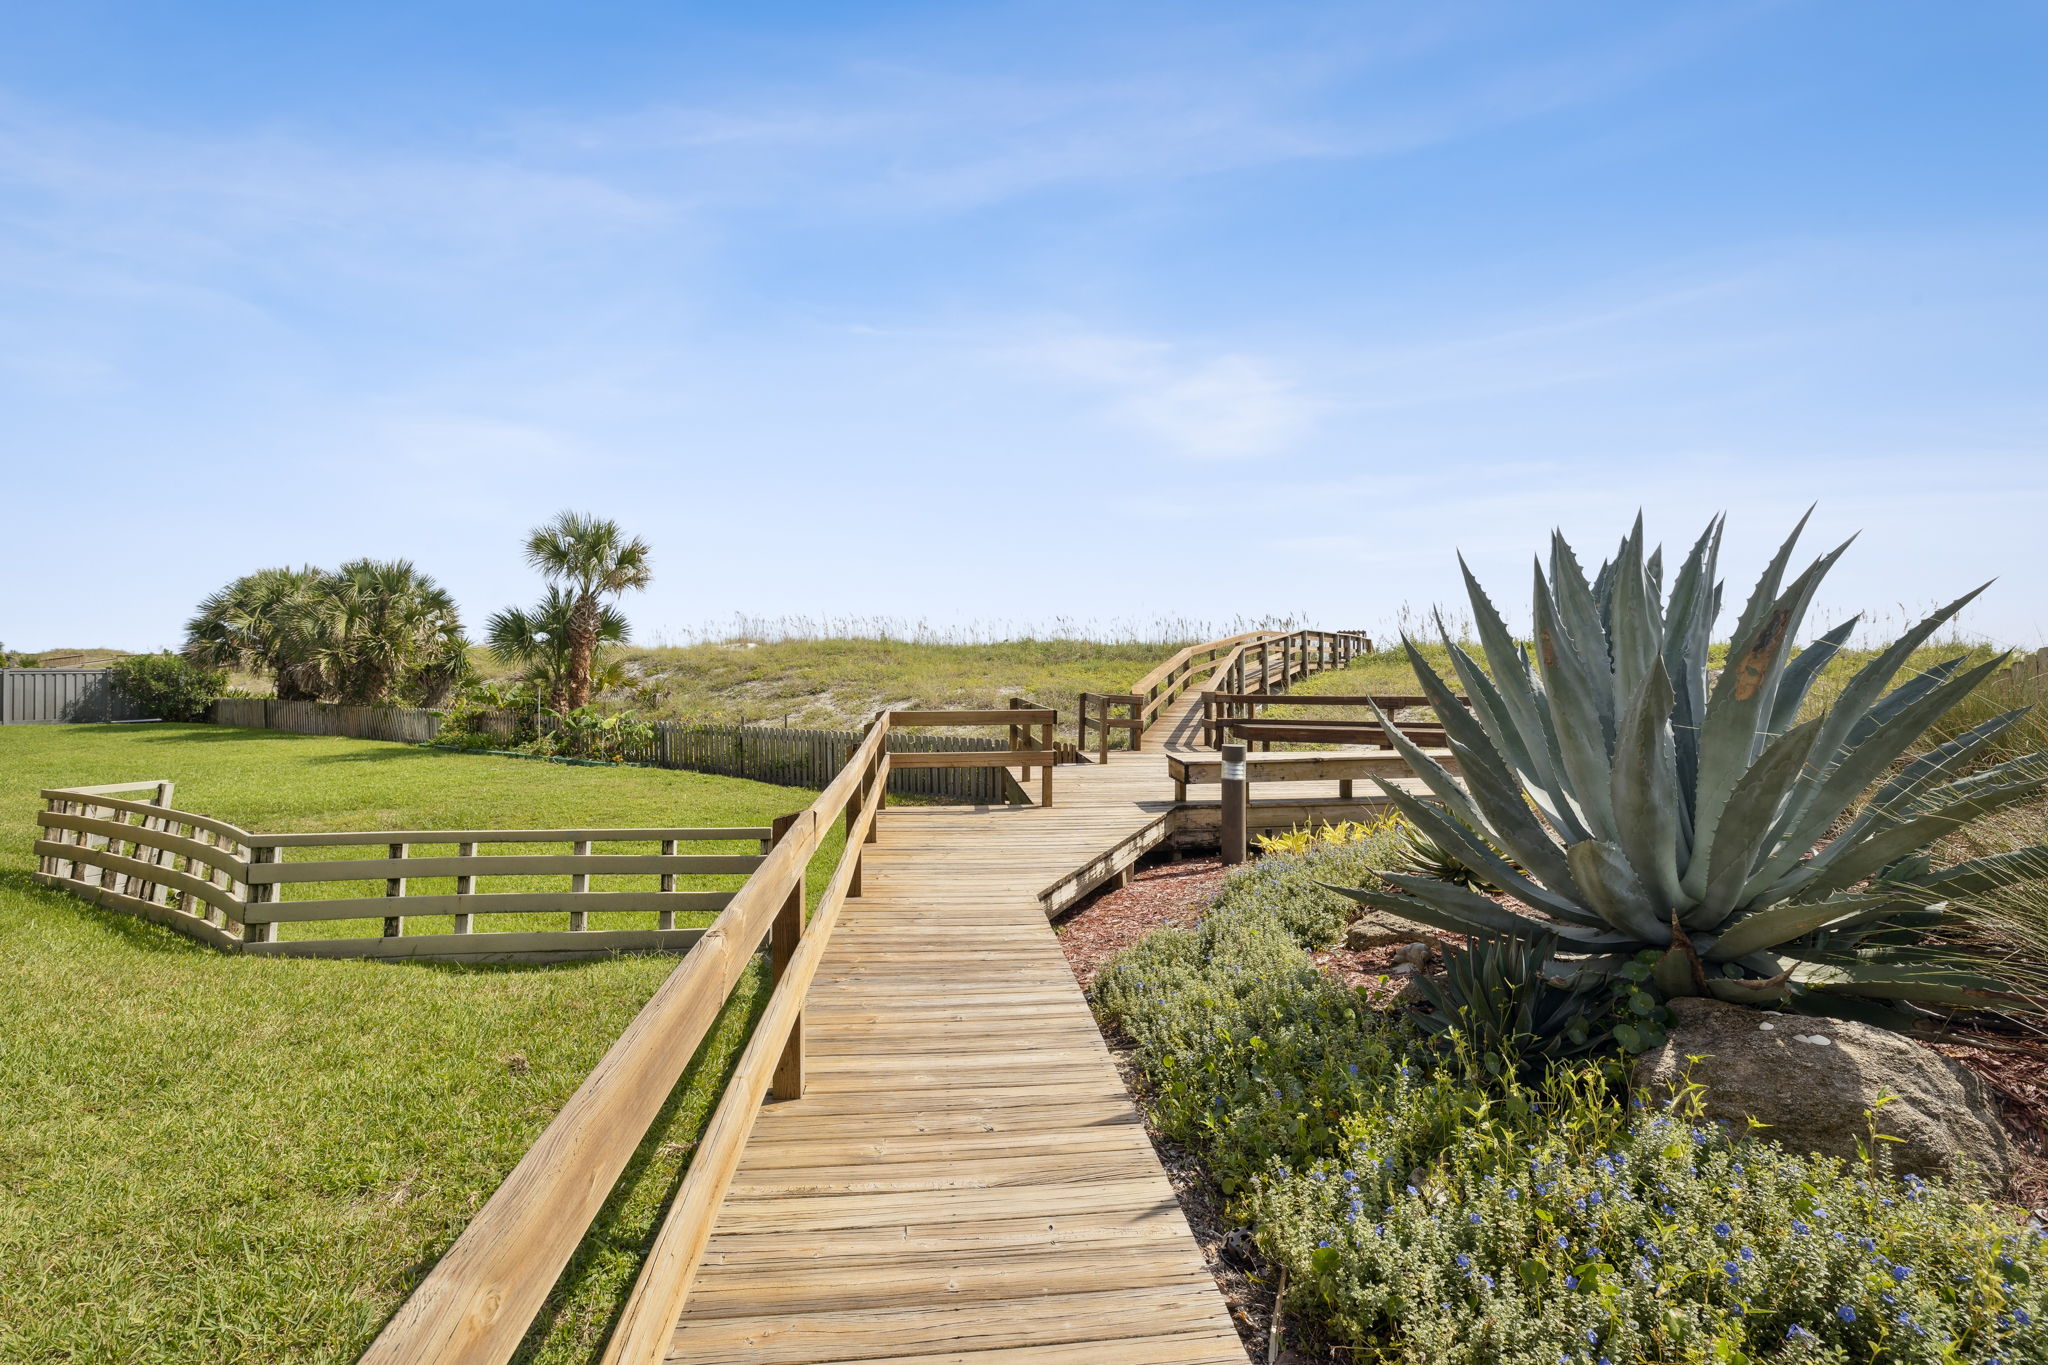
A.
x: 1637, y: 808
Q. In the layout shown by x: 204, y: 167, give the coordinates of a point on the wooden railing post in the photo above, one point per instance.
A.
x: 666, y: 919
x: 394, y: 887
x: 579, y: 883
x: 466, y: 886
x: 853, y: 809
x: 784, y: 936
x: 262, y: 893
x: 1045, y: 778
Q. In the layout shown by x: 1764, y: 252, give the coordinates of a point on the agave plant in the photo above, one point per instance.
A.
x: 1699, y: 817
x: 1497, y: 992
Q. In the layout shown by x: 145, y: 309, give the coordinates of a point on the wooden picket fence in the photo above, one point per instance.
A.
x: 786, y: 757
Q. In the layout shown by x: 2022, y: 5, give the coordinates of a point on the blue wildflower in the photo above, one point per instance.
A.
x: 1845, y: 1313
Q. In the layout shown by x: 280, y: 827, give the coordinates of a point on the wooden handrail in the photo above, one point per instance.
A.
x: 475, y: 1305
x: 648, y: 1322
x: 1152, y: 694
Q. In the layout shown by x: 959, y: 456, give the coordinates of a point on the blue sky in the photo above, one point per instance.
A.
x: 975, y: 313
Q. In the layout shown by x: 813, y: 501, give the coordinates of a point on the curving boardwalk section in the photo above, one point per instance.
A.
x: 965, y: 1179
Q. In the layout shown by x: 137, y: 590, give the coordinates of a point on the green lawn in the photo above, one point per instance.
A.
x: 205, y: 1157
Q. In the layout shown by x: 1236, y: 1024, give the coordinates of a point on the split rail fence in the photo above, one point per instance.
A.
x: 232, y: 888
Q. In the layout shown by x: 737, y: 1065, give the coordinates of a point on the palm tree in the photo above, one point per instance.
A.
x: 250, y: 625
x: 540, y: 640
x: 373, y: 631
x: 381, y: 630
x: 592, y: 559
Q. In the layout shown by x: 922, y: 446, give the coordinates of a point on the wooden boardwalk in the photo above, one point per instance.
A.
x: 956, y: 1172
x: 965, y: 1178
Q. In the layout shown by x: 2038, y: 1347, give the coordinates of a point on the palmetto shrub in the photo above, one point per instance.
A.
x: 1630, y: 804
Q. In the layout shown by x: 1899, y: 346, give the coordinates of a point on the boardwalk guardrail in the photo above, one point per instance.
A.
x: 1248, y: 716
x: 1258, y: 661
x: 476, y: 1304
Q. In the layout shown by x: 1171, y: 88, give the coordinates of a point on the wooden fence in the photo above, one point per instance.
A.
x: 400, y: 724
x: 785, y: 757
x: 1260, y: 661
x: 478, y: 1301
x: 231, y: 887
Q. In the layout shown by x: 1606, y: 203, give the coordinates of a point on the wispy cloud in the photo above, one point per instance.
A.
x: 1221, y: 406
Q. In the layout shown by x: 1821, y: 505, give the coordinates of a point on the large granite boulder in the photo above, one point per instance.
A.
x: 1812, y: 1079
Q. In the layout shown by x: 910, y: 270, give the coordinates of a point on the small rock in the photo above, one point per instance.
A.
x: 1239, y: 1250
x: 1767, y: 1027
x: 1402, y: 969
x: 1414, y: 954
x: 1378, y: 929
x: 1813, y: 1098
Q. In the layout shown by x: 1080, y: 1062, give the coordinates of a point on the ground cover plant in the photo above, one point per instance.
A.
x: 205, y: 1157
x: 1428, y: 1208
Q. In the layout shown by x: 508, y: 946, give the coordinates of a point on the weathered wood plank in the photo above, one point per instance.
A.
x: 736, y: 833
x: 490, y: 903
x: 506, y: 865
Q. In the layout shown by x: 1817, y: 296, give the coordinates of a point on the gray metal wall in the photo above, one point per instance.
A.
x: 62, y: 696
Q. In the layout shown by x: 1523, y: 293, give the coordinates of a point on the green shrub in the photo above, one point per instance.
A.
x: 466, y: 726
x: 587, y: 733
x: 1370, y: 1162
x: 168, y: 686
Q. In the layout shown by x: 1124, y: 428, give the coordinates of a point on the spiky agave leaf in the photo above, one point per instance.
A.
x: 1690, y: 821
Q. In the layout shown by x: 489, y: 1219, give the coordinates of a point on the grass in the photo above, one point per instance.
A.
x: 206, y: 1157
x: 839, y: 683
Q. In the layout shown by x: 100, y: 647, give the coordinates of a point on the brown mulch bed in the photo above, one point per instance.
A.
x: 1167, y: 895
x: 2021, y: 1084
